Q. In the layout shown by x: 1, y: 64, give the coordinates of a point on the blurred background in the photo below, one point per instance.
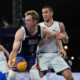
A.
x: 67, y: 11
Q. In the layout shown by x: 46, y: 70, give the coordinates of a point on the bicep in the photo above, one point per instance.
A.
x: 62, y: 28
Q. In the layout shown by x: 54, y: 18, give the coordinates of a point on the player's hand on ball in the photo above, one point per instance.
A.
x: 11, y: 64
x: 18, y: 64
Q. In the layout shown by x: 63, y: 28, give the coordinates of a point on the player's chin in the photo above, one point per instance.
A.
x: 45, y: 19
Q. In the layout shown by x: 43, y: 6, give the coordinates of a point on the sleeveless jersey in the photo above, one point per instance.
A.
x: 49, y: 45
x: 29, y: 44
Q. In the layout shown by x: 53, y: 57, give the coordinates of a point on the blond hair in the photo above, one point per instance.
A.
x: 33, y: 13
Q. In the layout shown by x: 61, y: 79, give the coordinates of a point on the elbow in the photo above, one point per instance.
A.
x: 66, y: 41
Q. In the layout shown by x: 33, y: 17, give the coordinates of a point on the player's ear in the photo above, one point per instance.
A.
x: 52, y: 13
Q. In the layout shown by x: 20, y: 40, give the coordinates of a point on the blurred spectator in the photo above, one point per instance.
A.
x: 6, y: 24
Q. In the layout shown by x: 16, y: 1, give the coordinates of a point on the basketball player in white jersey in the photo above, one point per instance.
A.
x: 4, y: 55
x: 48, y: 49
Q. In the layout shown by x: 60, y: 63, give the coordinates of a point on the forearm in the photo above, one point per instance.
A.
x: 5, y: 51
x: 7, y: 54
x: 52, y: 33
x: 48, y: 31
x: 65, y: 39
x: 60, y: 45
x: 12, y: 55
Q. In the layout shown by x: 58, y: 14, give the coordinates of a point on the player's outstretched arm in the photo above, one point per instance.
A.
x: 16, y: 45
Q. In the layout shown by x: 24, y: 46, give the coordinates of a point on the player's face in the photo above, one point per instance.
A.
x: 28, y: 20
x: 47, y: 14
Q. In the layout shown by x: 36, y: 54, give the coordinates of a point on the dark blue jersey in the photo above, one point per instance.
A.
x: 29, y: 45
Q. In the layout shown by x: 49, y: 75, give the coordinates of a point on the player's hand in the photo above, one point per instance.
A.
x: 59, y: 35
x: 63, y: 53
x: 12, y: 65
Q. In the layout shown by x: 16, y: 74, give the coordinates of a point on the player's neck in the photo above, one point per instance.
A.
x: 33, y: 30
x: 49, y: 22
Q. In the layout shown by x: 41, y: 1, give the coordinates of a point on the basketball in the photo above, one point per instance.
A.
x: 20, y: 64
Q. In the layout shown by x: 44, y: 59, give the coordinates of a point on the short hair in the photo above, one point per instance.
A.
x: 33, y: 13
x: 49, y: 7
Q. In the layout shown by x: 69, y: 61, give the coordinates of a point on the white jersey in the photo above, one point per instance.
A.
x: 2, y: 56
x: 49, y: 45
x: 3, y: 63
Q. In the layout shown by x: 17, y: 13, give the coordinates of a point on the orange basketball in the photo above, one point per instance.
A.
x: 21, y: 66
x: 19, y: 63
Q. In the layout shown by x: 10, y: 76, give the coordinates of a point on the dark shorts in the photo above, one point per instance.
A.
x: 31, y: 62
x: 30, y: 59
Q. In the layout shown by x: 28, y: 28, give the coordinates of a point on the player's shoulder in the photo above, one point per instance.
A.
x: 20, y: 32
x: 1, y: 46
x: 62, y: 26
x: 42, y: 25
x: 56, y: 22
x: 60, y: 23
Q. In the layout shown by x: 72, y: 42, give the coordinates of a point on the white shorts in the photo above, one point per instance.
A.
x: 34, y: 74
x: 53, y: 60
x: 18, y: 76
x: 12, y: 75
x: 23, y: 76
x: 3, y: 63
